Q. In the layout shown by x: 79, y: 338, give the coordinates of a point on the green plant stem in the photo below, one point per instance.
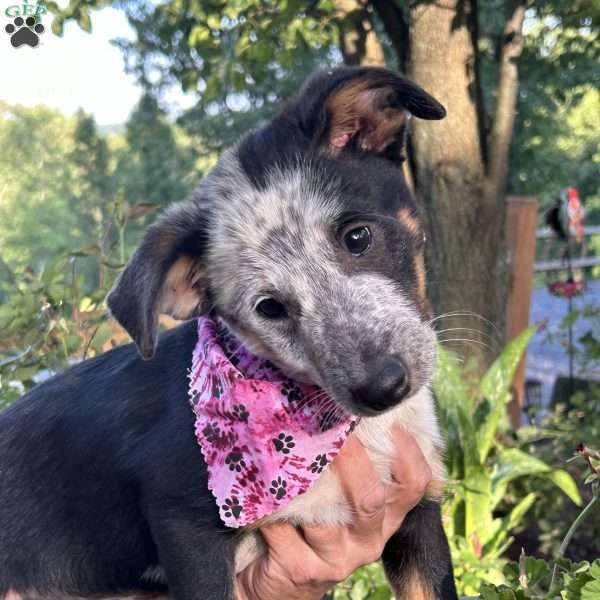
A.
x: 565, y: 543
x: 122, y: 244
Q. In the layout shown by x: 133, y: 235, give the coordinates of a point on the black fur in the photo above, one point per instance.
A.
x: 101, y: 479
x: 420, y: 550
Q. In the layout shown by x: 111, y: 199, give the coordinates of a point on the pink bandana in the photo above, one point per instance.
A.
x: 265, y: 438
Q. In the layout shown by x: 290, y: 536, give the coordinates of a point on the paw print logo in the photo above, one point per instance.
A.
x: 283, y: 443
x: 24, y: 32
x: 292, y: 391
x: 211, y: 432
x: 240, y: 413
x: 278, y: 488
x: 232, y: 507
x: 235, y: 461
x: 319, y: 463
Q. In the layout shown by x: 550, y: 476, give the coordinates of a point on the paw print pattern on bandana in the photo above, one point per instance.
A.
x: 278, y: 488
x: 283, y: 443
x: 235, y: 461
x: 211, y: 432
x: 291, y: 391
x: 232, y: 508
x: 260, y: 451
x: 319, y: 463
x: 240, y: 413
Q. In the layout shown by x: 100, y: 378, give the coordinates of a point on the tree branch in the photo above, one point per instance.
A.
x: 396, y: 26
x: 506, y: 100
x: 473, y: 24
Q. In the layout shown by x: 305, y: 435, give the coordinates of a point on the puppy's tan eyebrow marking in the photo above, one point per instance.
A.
x: 408, y: 219
x: 421, y: 288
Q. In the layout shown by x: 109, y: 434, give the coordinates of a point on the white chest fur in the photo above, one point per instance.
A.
x: 324, y: 503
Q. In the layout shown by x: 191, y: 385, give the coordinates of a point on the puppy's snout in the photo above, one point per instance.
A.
x: 387, y: 386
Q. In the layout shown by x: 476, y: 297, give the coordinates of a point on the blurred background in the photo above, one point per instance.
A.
x: 120, y: 108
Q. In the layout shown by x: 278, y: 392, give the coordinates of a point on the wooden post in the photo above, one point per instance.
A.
x: 521, y: 226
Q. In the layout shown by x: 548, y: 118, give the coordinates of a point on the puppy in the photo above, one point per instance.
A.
x: 306, y: 242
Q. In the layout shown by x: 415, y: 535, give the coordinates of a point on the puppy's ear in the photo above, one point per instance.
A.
x: 363, y: 109
x: 166, y: 274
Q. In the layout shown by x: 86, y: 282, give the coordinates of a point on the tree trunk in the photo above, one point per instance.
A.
x: 465, y: 248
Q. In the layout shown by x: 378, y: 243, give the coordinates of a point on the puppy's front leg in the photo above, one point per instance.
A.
x: 417, y: 558
x: 198, y: 562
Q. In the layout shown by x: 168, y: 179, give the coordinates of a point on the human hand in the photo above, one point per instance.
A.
x: 303, y: 563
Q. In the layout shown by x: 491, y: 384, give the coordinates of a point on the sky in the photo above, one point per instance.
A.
x: 77, y: 70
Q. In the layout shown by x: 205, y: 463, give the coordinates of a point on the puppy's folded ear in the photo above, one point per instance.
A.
x: 166, y: 274
x: 362, y: 109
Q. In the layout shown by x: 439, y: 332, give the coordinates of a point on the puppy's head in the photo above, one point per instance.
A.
x: 306, y: 240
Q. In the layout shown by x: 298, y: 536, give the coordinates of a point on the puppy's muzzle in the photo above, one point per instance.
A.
x: 387, y: 386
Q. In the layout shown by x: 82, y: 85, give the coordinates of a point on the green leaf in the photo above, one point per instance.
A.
x: 492, y: 592
x: 591, y: 590
x: 514, y: 463
x: 136, y: 211
x: 53, y: 270
x: 84, y: 20
x: 101, y: 336
x: 91, y: 250
x: 25, y: 373
x: 561, y: 479
x: 495, y: 387
x: 508, y: 523
x: 535, y: 570
x: 57, y: 26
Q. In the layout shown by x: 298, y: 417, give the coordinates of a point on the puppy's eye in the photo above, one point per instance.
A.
x: 358, y: 240
x: 271, y: 309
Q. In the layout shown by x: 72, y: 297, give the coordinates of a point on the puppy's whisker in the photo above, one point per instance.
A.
x: 468, y: 340
x: 477, y: 332
x: 308, y: 400
x: 467, y: 313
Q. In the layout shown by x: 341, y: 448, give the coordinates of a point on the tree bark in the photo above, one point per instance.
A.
x: 506, y: 100
x: 464, y: 248
x: 358, y: 39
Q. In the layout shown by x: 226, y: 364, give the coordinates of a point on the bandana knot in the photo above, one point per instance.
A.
x: 265, y: 438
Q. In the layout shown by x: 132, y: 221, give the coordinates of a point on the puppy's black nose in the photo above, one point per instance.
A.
x: 388, y: 385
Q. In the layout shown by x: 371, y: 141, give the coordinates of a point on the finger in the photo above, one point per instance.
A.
x: 282, y: 535
x: 411, y: 475
x: 310, y: 554
x: 362, y: 487
x: 410, y: 469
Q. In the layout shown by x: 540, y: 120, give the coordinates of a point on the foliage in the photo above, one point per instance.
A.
x: 47, y: 318
x: 240, y: 58
x: 570, y: 421
x: 368, y: 583
x: 558, y: 125
x: 153, y: 166
x: 529, y: 580
x: 535, y: 579
x: 63, y: 224
x: 481, y: 467
x: 37, y: 198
